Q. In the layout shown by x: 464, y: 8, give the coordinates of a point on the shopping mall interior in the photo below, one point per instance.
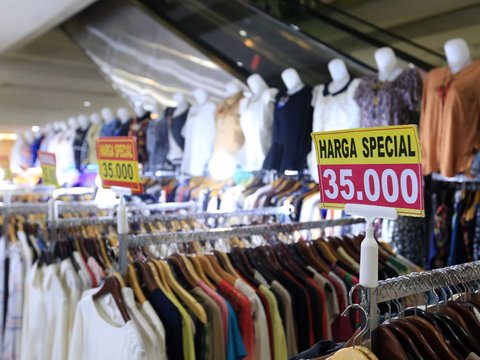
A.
x: 216, y: 228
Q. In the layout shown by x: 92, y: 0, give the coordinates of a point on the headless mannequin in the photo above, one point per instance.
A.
x: 339, y: 74
x: 292, y: 81
x: 95, y: 118
x: 107, y: 114
x: 182, y: 104
x: 232, y: 88
x: 457, y: 54
x: 123, y: 115
x: 201, y: 96
x: 387, y: 64
x: 83, y: 122
x: 72, y: 123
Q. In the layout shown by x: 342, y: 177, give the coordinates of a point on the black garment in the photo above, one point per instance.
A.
x: 157, y: 141
x: 122, y: 128
x: 172, y: 321
x: 80, y: 147
x: 292, y: 126
x: 175, y: 125
x: 300, y: 308
x: 321, y: 348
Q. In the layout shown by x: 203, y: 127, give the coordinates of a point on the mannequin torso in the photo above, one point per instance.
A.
x: 182, y: 104
x: 83, y: 122
x: 123, y: 115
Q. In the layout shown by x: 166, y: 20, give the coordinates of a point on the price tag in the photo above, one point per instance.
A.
x: 48, y: 163
x: 118, y: 163
x: 379, y: 166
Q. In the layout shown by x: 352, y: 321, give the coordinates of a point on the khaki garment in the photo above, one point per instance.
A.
x: 229, y: 137
x: 215, y: 349
x: 450, y: 120
x: 92, y: 135
x: 279, y: 340
x: 285, y: 307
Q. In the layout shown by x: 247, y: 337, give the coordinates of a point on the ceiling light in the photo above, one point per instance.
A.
x: 8, y: 136
x: 87, y: 103
x: 242, y: 33
x: 35, y: 128
x: 239, y: 64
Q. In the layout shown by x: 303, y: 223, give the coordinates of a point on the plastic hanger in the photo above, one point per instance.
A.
x: 405, y: 340
x: 111, y: 286
x: 434, y: 337
x: 188, y: 299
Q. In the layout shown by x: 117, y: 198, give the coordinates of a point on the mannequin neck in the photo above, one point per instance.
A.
x: 295, y: 88
x: 338, y: 84
x: 389, y: 75
x: 180, y: 109
x: 456, y: 67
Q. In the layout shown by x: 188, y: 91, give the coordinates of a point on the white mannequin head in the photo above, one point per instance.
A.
x: 72, y: 122
x: 63, y: 125
x: 201, y: 96
x: 83, y: 121
x: 292, y: 80
x: 107, y: 114
x: 95, y: 118
x: 256, y: 84
x: 232, y: 88
x: 123, y: 115
x: 179, y: 98
x: 386, y: 63
x: 457, y: 54
x: 338, y: 70
x: 28, y: 136
x: 139, y: 110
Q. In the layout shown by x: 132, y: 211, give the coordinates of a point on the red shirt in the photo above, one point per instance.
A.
x: 243, y: 310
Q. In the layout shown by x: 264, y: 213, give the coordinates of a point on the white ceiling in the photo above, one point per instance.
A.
x: 49, y: 80
x: 44, y: 76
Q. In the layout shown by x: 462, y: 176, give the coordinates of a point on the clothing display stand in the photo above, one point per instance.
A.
x: 369, y: 254
x: 127, y: 241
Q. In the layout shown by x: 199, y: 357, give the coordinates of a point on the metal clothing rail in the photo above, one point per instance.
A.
x: 416, y: 284
x: 140, y: 218
x: 127, y: 241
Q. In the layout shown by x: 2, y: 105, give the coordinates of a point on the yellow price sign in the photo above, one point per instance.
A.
x: 379, y: 166
x: 118, y: 163
x: 48, y: 163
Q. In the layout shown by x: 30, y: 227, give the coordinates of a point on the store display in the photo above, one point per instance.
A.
x: 157, y: 141
x: 176, y: 122
x: 450, y: 118
x: 256, y: 120
x: 334, y: 106
x: 199, y: 134
x: 292, y: 124
x: 80, y: 145
x: 229, y: 137
x: 389, y: 97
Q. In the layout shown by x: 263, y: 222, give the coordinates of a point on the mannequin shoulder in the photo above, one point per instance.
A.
x: 269, y: 95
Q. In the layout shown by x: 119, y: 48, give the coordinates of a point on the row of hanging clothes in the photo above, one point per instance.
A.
x: 266, y: 297
x: 454, y: 223
x: 430, y: 315
x: 40, y: 281
x: 250, y: 192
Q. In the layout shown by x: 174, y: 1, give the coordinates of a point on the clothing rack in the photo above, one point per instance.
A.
x: 417, y: 284
x: 460, y: 182
x: 127, y: 241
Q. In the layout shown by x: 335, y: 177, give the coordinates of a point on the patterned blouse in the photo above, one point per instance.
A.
x: 388, y: 102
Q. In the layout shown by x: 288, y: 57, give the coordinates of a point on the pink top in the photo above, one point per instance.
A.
x: 223, y: 307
